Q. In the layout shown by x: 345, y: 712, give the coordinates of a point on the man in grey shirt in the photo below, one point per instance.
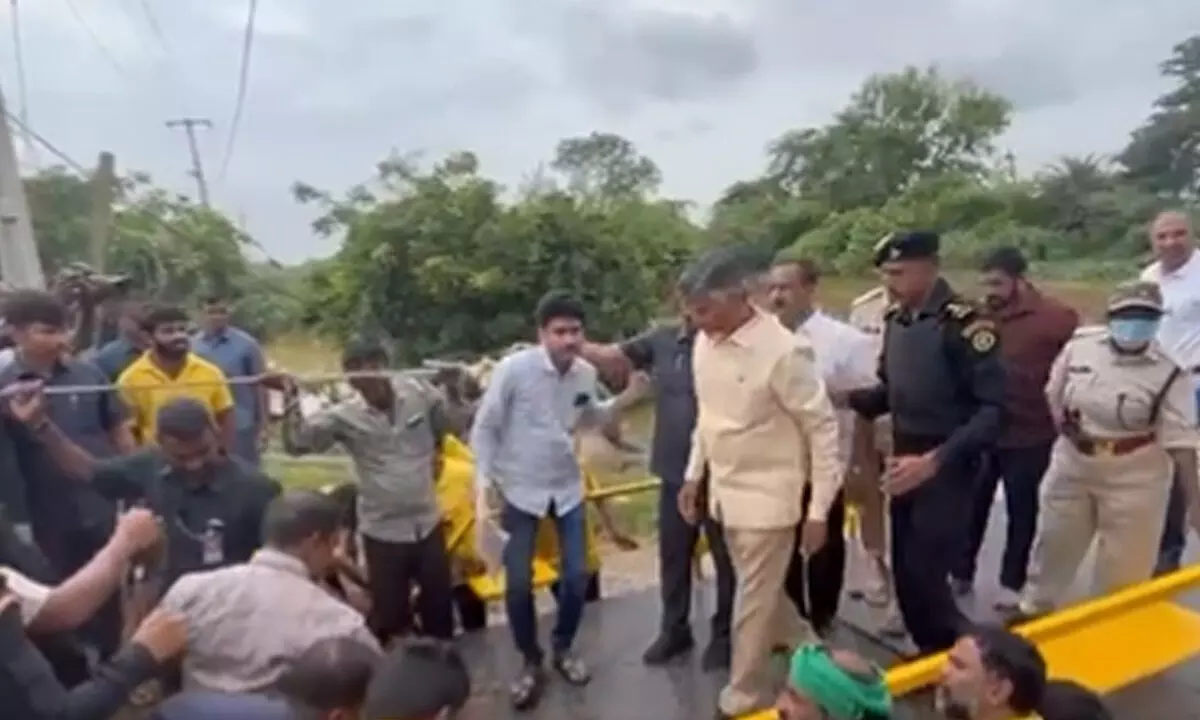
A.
x: 392, y: 430
x: 524, y: 450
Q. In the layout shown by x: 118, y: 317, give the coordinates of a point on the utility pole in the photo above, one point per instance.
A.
x: 189, y: 125
x: 19, y: 262
x: 103, y: 183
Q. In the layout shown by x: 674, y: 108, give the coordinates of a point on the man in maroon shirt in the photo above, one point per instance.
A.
x: 1033, y: 329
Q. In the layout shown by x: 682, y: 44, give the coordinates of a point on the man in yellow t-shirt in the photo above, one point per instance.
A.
x: 169, y: 370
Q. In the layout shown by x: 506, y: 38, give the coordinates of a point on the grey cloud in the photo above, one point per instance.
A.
x: 1031, y: 78
x: 623, y: 57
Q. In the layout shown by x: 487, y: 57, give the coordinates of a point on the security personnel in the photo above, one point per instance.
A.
x: 942, y: 382
x: 1127, y: 418
x: 211, y: 504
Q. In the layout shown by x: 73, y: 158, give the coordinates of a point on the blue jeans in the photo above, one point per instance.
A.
x: 522, y: 529
x: 1174, y: 537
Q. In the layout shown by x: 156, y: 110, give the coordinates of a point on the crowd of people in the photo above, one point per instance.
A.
x: 146, y: 556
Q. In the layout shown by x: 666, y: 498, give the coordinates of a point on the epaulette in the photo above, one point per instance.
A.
x: 871, y: 295
x: 958, y: 309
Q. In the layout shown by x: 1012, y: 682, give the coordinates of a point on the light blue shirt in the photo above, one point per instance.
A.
x: 522, y: 436
x: 238, y: 355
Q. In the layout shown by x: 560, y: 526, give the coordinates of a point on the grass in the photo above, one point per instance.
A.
x: 637, y: 514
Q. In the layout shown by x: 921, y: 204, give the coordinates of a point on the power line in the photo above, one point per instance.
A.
x: 155, y: 27
x: 243, y: 82
x: 86, y: 173
x: 49, y: 146
x: 108, y: 55
x: 22, y: 86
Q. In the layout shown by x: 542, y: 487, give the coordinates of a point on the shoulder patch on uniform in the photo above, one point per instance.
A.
x: 960, y: 310
x: 869, y: 296
x: 981, y: 335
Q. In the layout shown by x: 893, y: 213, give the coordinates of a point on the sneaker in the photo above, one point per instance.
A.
x: 526, y: 690
x: 572, y: 669
x: 667, y: 647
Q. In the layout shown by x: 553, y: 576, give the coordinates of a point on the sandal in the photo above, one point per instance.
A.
x: 526, y: 690
x: 572, y: 669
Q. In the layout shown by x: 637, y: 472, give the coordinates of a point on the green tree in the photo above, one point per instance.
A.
x: 438, y: 262
x: 605, y: 167
x: 898, y: 129
x: 1164, y: 154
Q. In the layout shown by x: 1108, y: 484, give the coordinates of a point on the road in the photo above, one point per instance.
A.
x: 617, y: 630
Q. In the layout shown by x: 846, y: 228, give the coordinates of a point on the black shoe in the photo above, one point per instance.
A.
x: 592, y: 594
x: 526, y: 690
x: 716, y: 656
x: 667, y: 647
x: 572, y: 669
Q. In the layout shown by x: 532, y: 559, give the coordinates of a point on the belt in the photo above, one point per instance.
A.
x: 1100, y: 447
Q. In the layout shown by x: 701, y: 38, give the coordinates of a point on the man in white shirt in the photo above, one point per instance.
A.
x: 1176, y: 269
x: 248, y: 621
x: 846, y: 360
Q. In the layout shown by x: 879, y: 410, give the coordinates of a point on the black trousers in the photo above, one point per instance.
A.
x: 826, y: 569
x: 676, y: 551
x: 927, y: 536
x: 1021, y: 471
x: 394, y: 570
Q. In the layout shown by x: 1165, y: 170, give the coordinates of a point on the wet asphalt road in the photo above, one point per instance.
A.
x: 616, y: 631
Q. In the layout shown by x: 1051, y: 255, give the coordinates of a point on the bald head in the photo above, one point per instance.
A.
x: 1172, y: 239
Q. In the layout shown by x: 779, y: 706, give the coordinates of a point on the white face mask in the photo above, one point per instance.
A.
x: 1132, y: 333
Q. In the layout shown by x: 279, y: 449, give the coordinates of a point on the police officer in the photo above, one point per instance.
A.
x: 1127, y: 418
x: 943, y: 384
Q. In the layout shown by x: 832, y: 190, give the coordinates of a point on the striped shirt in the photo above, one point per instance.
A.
x: 522, y: 436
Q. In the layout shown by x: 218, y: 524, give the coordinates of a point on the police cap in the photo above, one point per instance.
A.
x: 907, y: 245
x: 1141, y: 294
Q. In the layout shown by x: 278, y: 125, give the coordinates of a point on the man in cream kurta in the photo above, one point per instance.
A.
x: 765, y: 429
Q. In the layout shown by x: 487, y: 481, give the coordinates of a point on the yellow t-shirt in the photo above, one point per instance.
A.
x: 145, y: 388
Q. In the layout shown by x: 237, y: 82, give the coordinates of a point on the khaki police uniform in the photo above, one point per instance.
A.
x: 872, y: 443
x: 1110, y: 473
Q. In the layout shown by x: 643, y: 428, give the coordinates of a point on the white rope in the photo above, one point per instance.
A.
x: 312, y: 379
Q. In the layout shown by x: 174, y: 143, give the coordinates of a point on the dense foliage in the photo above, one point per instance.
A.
x: 446, y: 261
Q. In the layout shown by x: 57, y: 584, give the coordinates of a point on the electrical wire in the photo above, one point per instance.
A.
x: 243, y: 83
x: 49, y: 146
x: 155, y: 26
x: 22, y: 86
x: 104, y: 50
x: 86, y: 173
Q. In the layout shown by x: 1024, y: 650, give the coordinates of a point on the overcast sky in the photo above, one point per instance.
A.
x: 700, y: 85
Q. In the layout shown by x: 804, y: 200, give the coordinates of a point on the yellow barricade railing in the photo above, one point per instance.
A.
x: 1088, y: 617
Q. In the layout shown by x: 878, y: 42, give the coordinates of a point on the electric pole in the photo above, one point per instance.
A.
x: 104, y: 183
x: 20, y: 265
x: 189, y: 125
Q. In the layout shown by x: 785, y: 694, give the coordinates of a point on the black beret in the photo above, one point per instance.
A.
x: 906, y: 245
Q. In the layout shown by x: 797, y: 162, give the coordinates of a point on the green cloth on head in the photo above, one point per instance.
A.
x: 840, y: 694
